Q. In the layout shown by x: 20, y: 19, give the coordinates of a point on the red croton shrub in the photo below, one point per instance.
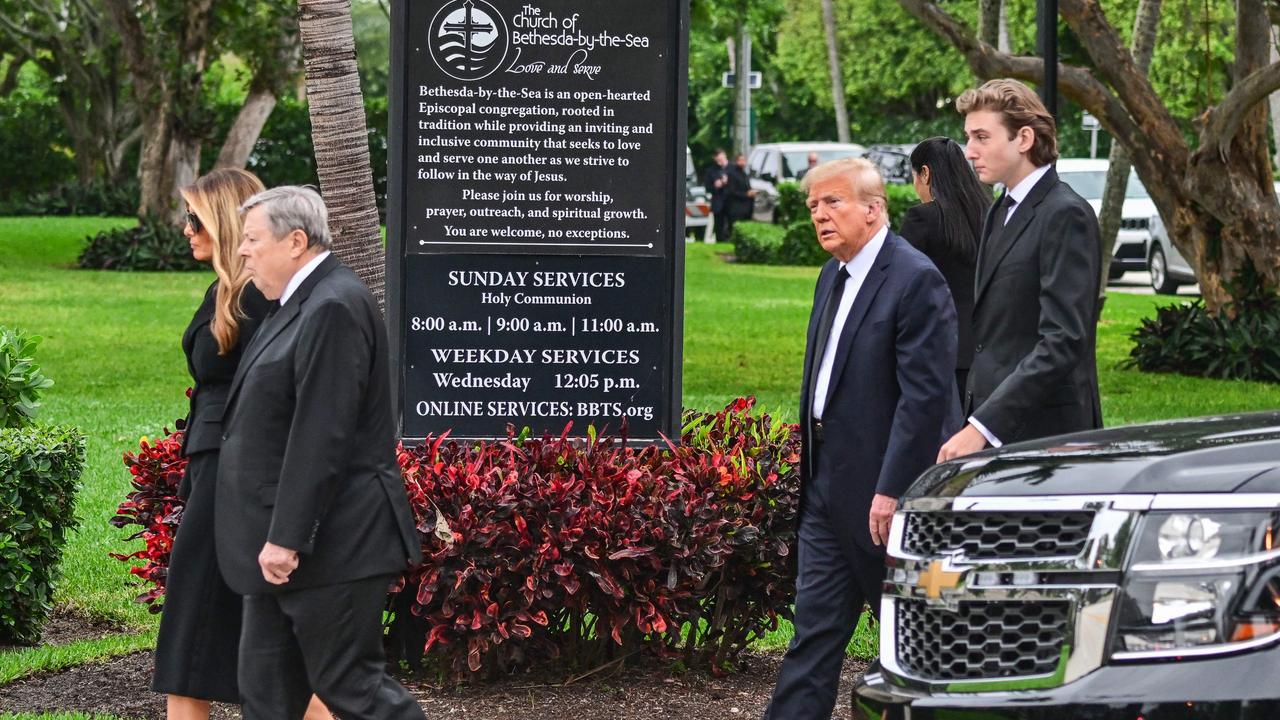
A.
x: 585, y: 551
x: 156, y: 471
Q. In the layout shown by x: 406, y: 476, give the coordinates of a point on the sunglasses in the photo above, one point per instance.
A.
x: 194, y: 221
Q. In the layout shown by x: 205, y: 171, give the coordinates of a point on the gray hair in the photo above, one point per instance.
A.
x: 294, y: 207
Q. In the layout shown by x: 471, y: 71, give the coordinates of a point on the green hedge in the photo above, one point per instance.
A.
x: 756, y: 242
x: 39, y: 476
x: 793, y: 204
x: 765, y: 244
x: 901, y: 198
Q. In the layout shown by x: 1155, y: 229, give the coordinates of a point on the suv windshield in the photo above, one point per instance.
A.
x: 1089, y: 184
x: 794, y: 162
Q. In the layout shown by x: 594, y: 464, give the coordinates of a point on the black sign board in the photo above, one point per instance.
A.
x: 535, y: 215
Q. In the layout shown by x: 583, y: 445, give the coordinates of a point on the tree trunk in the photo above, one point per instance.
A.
x: 184, y: 164
x: 1218, y: 203
x: 1145, y: 27
x: 245, y: 130
x: 989, y: 12
x: 340, y: 137
x: 1003, y: 45
x: 1275, y: 97
x: 837, y: 79
x: 170, y: 145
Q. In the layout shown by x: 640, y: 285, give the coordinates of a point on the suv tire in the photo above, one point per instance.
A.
x: 1159, y: 268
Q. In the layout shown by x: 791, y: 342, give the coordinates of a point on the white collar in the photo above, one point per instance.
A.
x: 1020, y: 191
x: 296, y: 281
x: 860, y: 264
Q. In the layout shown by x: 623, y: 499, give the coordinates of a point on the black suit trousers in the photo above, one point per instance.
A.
x: 327, y: 639
x: 835, y: 579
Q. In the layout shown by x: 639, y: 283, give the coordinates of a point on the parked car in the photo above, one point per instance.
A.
x: 697, y: 206
x: 1115, y: 574
x: 1088, y: 177
x: 894, y: 161
x: 1168, y: 268
x: 772, y: 163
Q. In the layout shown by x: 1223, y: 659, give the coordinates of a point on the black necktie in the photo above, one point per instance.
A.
x: 998, y: 218
x: 825, y: 321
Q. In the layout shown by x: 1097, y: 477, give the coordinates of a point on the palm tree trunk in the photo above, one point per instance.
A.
x: 837, y: 79
x: 1145, y: 27
x: 341, y: 139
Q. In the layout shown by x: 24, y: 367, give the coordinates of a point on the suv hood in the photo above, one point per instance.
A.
x: 1223, y: 454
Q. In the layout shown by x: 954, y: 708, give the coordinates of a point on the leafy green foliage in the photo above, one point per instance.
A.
x: 756, y: 242
x: 1241, y: 342
x: 39, y: 477
x: 901, y: 198
x: 33, y: 147
x: 69, y: 198
x: 153, y: 244
x: 792, y: 204
x: 21, y: 381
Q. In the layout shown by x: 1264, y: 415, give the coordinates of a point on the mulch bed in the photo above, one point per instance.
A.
x: 66, y: 627
x: 642, y: 690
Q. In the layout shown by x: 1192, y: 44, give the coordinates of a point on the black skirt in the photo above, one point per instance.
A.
x: 199, y: 637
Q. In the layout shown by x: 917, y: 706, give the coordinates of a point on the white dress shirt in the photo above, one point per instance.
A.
x: 1018, y: 193
x: 296, y: 281
x: 857, y: 267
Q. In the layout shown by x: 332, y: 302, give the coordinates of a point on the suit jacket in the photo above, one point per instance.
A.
x: 922, y: 227
x: 212, y: 372
x: 1034, y: 369
x: 719, y: 195
x: 309, y: 444
x: 892, y: 398
x: 739, y: 204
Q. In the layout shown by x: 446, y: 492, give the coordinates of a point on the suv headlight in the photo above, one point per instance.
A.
x: 1200, y: 582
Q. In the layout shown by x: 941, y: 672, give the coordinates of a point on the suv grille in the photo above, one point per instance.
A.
x: 997, y: 535
x: 981, y: 640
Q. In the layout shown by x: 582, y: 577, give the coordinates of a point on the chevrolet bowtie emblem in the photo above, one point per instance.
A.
x: 935, y: 580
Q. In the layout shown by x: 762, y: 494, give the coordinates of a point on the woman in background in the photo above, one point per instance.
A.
x: 196, y: 652
x: 946, y: 226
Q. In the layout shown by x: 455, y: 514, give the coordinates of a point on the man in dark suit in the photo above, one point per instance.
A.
x: 312, y: 520
x: 717, y: 183
x: 877, y: 399
x: 741, y: 202
x: 1034, y: 371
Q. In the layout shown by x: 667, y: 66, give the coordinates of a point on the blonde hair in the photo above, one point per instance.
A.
x: 1018, y: 107
x: 215, y: 198
x: 863, y: 175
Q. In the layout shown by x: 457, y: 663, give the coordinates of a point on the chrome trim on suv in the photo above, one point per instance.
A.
x: 1090, y: 599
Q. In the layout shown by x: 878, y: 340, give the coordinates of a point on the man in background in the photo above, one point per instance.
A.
x: 717, y: 183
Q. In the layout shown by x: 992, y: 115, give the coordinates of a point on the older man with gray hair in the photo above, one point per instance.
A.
x: 312, y: 520
x: 877, y: 399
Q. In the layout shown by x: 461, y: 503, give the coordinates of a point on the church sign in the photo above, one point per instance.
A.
x: 535, y: 215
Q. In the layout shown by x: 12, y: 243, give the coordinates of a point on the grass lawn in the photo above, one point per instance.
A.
x: 112, y: 347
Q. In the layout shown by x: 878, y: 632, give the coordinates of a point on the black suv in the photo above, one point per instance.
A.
x: 1124, y: 573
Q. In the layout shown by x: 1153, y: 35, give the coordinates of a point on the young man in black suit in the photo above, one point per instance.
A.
x: 1034, y: 370
x: 312, y: 520
x: 877, y: 399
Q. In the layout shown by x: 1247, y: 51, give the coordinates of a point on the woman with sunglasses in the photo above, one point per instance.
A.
x: 196, y: 652
x: 946, y: 227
